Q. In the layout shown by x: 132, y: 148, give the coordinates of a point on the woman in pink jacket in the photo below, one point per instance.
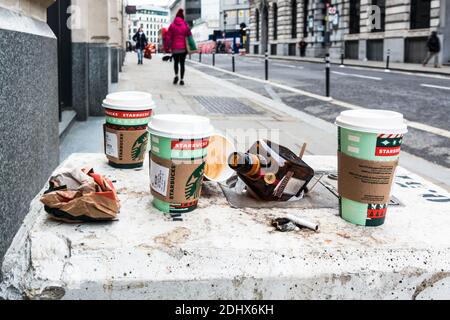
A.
x: 175, y: 42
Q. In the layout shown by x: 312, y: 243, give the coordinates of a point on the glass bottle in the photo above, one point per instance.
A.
x: 271, y: 172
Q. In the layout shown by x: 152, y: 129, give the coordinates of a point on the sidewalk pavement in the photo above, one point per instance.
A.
x: 406, y: 67
x: 264, y: 114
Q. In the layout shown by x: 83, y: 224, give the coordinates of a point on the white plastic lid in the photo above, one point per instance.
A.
x: 372, y: 120
x: 129, y: 101
x: 180, y: 126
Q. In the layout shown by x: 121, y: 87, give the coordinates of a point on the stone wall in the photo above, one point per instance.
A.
x: 29, y: 110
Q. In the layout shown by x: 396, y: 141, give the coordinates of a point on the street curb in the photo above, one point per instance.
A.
x: 287, y: 58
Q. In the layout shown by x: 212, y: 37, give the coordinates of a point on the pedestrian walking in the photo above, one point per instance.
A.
x: 175, y: 42
x: 434, y: 47
x: 141, y: 43
x: 302, y: 45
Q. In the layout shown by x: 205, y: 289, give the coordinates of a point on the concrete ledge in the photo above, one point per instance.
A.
x: 218, y: 252
x: 14, y: 21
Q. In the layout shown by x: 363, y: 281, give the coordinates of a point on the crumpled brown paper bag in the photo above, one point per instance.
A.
x: 81, y: 195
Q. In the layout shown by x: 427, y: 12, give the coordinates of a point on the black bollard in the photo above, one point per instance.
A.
x: 327, y: 74
x: 232, y: 62
x: 213, y: 58
x: 388, y: 58
x: 342, y: 59
x: 200, y: 57
x: 266, y: 65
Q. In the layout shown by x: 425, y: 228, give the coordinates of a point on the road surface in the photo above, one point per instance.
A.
x: 424, y: 99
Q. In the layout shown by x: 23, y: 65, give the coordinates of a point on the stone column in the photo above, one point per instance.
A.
x: 444, y: 25
x: 99, y: 55
x: 91, y: 56
x: 264, y: 18
x: 319, y: 34
x: 114, y: 39
x: 80, y: 59
x: 29, y: 137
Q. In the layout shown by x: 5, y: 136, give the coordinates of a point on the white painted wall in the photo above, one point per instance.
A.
x: 211, y: 12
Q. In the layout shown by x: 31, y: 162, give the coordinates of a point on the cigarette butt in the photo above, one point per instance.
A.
x: 303, y: 223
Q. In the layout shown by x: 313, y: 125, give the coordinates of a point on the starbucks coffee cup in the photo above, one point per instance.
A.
x: 369, y: 143
x: 179, y: 148
x: 125, y: 131
x: 219, y: 150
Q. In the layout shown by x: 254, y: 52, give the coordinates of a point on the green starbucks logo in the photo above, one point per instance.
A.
x: 139, y: 146
x: 193, y: 185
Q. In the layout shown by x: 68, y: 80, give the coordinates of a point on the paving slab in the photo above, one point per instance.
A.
x: 218, y: 252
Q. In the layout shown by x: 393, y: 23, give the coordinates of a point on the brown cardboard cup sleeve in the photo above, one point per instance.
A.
x: 125, y: 146
x: 365, y: 181
x: 176, y: 181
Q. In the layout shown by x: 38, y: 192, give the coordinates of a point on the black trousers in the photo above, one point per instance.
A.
x: 179, y: 60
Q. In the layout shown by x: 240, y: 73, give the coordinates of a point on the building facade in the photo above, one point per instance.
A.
x: 208, y: 22
x: 192, y: 9
x: 151, y: 19
x: 359, y: 29
x: 233, y: 13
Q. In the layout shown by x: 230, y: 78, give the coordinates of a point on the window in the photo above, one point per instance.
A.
x: 291, y: 49
x: 231, y: 18
x: 192, y: 10
x: 374, y: 49
x: 257, y: 24
x: 273, y: 49
x: 305, y: 17
x: 420, y: 14
x: 275, y: 22
x: 382, y: 17
x: 242, y: 16
x: 294, y: 18
x: 355, y: 8
x: 352, y: 49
